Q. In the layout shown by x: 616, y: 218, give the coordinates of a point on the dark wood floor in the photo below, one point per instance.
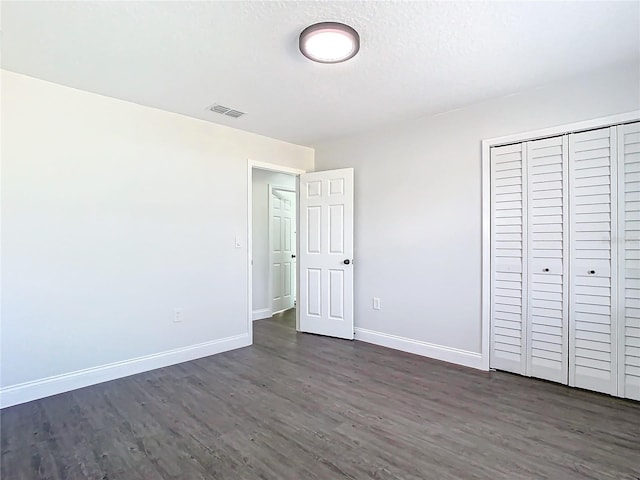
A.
x: 299, y: 407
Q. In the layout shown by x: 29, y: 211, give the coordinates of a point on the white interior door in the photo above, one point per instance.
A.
x: 282, y: 248
x: 593, y: 330
x: 629, y: 259
x: 326, y: 253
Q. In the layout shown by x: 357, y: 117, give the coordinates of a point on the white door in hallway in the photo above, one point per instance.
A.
x: 282, y: 248
x: 326, y: 253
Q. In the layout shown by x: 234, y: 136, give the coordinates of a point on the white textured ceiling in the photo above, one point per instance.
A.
x: 416, y: 58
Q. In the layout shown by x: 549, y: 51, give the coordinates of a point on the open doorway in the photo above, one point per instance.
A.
x: 324, y: 227
x: 273, y: 240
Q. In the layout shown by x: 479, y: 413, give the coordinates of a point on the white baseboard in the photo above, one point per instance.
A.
x: 439, y: 352
x: 262, y: 313
x: 45, y: 387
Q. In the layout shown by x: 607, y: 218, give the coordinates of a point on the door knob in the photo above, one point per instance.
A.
x: 347, y: 261
x: 545, y: 270
x: 293, y: 256
x: 592, y: 272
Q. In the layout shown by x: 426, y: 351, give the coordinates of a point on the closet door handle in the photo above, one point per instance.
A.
x: 545, y: 270
x: 592, y: 272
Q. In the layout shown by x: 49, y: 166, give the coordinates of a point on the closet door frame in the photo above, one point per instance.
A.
x: 608, y: 121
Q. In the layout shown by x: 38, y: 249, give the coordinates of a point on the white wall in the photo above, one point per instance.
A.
x: 260, y: 232
x: 418, y: 209
x: 112, y: 215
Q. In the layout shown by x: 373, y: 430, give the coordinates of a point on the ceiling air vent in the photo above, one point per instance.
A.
x: 234, y: 113
x: 229, y: 112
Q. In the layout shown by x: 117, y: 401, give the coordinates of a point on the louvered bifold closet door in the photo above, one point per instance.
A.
x: 548, y: 259
x: 629, y: 260
x: 508, y: 269
x: 593, y: 335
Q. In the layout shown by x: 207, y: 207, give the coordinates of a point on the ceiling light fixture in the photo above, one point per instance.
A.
x: 329, y: 42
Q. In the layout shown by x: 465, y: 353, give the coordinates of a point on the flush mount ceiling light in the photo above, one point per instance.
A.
x: 329, y: 42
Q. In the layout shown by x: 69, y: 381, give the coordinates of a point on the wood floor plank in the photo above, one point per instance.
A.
x: 296, y: 406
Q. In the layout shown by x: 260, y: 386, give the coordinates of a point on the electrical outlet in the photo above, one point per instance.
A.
x: 177, y: 315
x: 376, y: 303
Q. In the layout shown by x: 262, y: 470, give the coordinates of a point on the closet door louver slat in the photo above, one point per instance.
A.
x: 508, y: 270
x: 547, y: 257
x: 593, y: 262
x: 629, y: 274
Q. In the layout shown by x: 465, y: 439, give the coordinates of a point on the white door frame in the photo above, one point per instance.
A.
x: 271, y: 188
x: 608, y: 121
x: 251, y: 164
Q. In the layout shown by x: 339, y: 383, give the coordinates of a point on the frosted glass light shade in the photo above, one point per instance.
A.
x: 329, y: 42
